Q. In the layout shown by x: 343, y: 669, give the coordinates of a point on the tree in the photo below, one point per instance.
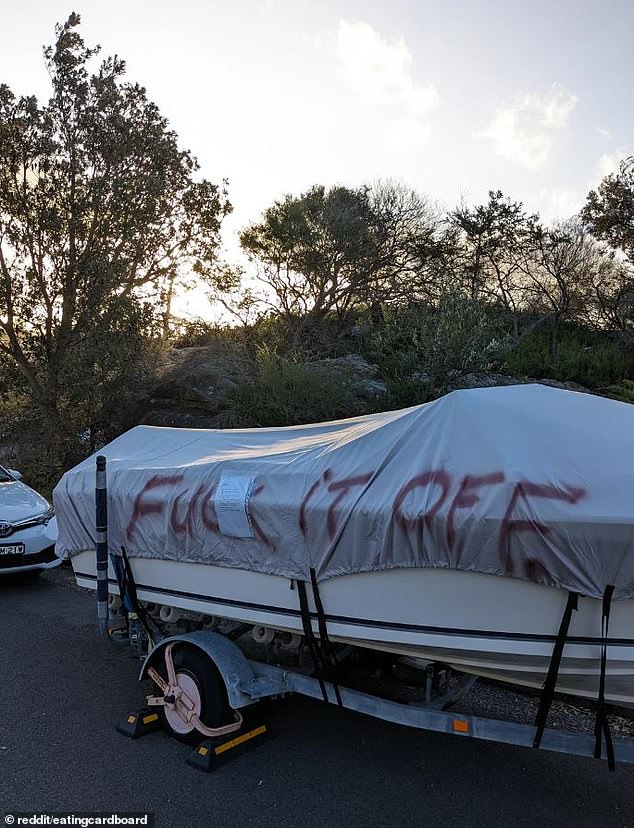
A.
x: 315, y: 251
x: 415, y: 248
x: 560, y: 275
x: 333, y: 251
x: 497, y: 241
x: 609, y: 215
x: 612, y: 300
x: 99, y: 211
x: 609, y: 210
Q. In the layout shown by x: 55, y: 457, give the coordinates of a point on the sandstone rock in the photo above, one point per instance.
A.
x: 362, y: 376
x: 493, y: 379
x: 568, y: 386
x: 189, y: 386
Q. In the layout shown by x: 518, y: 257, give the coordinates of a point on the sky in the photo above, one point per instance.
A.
x: 452, y: 97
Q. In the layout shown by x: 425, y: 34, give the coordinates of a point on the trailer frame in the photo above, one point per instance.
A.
x: 248, y: 681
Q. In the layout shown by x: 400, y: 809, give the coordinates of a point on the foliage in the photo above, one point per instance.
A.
x: 609, y: 215
x: 330, y: 252
x: 99, y: 210
x: 567, y: 267
x: 327, y: 338
x: 593, y: 359
x: 316, y: 249
x: 623, y: 392
x: 403, y: 393
x: 458, y: 336
x: 496, y: 242
x: 609, y: 210
x: 199, y: 333
x: 284, y: 393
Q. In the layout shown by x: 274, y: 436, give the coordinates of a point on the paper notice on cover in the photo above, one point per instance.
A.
x: 231, y: 502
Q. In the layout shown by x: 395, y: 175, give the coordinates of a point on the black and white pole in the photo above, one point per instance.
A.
x: 101, y: 515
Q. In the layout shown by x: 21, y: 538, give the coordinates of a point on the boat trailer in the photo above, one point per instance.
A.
x: 248, y: 681
x: 226, y: 680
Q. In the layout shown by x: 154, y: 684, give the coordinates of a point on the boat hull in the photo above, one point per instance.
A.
x: 500, y: 628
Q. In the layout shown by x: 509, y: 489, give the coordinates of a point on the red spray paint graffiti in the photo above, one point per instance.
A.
x: 525, y: 489
x: 439, y: 482
x: 438, y: 478
x: 143, y: 507
x: 185, y: 525
x: 467, y: 497
x: 340, y: 488
x: 257, y: 528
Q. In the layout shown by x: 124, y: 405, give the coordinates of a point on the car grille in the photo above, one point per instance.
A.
x: 45, y: 556
x: 7, y: 528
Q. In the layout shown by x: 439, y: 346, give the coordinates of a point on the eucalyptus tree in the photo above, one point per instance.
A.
x: 497, y: 244
x: 609, y: 210
x: 100, y: 210
x: 315, y: 252
x: 335, y: 251
x: 562, y: 277
x: 609, y: 216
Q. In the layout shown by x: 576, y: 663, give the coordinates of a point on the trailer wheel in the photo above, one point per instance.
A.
x: 199, y: 678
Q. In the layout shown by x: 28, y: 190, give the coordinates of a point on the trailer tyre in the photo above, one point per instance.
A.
x: 200, y: 679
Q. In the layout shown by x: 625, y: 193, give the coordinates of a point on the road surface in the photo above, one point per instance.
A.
x: 63, y: 692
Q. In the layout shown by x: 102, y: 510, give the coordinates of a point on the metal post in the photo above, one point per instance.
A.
x: 101, y: 526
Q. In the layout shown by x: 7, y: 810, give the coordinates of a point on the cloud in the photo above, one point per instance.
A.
x: 604, y: 133
x: 525, y: 130
x: 554, y: 204
x: 379, y: 74
x: 608, y: 164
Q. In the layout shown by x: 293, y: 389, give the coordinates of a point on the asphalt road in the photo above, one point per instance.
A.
x: 63, y: 691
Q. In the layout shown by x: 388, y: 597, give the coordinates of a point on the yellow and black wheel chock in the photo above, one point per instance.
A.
x: 212, y: 752
x: 139, y: 722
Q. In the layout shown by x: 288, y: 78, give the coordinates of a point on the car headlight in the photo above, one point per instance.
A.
x: 37, y: 520
x: 45, y: 516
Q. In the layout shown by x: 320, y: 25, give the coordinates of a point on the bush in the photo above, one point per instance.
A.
x: 198, y: 333
x: 404, y: 393
x: 591, y: 358
x: 436, y: 344
x: 284, y: 393
x: 291, y: 338
x: 623, y: 392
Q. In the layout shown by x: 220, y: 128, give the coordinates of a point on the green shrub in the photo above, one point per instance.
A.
x: 591, y: 358
x: 623, y: 392
x: 198, y: 334
x: 404, y: 393
x: 284, y: 393
x: 456, y: 337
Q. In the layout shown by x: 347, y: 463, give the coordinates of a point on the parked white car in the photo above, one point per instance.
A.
x: 26, y: 543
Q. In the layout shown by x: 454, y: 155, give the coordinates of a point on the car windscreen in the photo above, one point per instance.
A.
x: 5, y: 477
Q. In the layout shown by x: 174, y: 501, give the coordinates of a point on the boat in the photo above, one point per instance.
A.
x: 456, y: 532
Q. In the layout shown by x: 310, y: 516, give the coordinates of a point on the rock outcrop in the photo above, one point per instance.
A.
x: 189, y: 386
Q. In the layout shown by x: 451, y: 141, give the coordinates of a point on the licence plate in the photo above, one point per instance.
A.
x: 11, y: 549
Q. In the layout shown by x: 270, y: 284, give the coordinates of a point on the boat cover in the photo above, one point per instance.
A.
x: 526, y: 481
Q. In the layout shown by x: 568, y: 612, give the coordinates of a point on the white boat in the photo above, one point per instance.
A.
x: 452, y: 532
x: 478, y: 624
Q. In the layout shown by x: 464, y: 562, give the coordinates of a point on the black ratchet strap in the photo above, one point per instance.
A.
x: 310, y: 638
x: 601, y: 724
x: 326, y: 650
x: 553, y: 668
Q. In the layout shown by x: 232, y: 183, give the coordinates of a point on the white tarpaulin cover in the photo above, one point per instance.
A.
x: 526, y: 481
